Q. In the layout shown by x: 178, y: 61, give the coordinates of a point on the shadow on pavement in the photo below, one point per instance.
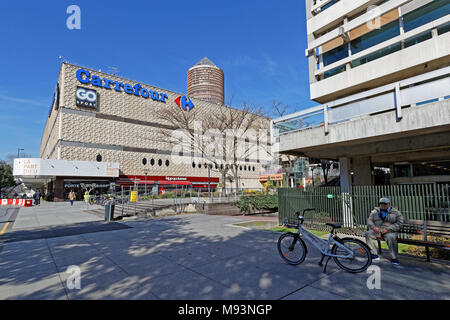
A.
x: 189, y: 257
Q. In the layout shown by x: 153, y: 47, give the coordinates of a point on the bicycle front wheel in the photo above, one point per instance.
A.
x: 361, y: 259
x: 292, y: 248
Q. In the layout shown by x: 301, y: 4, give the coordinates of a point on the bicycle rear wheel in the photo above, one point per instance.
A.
x: 292, y: 248
x: 361, y: 259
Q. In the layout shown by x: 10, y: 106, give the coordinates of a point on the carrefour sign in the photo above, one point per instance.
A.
x: 85, y: 77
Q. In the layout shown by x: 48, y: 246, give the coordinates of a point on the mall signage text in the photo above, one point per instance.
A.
x: 85, y: 77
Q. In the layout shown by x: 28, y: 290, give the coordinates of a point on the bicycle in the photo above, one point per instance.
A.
x: 350, y: 254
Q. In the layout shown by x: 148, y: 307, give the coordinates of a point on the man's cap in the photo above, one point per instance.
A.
x: 384, y: 200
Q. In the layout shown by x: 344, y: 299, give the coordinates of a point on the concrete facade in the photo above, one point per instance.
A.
x: 381, y: 70
x: 122, y: 129
x: 345, y: 21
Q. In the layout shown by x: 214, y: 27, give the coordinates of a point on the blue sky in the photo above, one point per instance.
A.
x: 260, y: 46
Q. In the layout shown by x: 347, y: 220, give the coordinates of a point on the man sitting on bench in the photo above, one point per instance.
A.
x: 384, y: 221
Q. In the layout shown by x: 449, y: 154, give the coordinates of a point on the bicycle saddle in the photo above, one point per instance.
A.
x: 334, y: 225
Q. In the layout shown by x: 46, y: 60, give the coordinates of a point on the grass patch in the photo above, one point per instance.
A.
x: 402, y: 248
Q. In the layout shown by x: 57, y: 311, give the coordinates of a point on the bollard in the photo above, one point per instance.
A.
x: 107, y: 212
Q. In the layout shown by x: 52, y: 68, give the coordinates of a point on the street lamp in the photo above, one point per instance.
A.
x: 18, y: 152
x: 209, y: 180
x: 145, y: 172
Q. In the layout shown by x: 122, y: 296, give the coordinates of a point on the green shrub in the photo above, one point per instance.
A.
x: 166, y: 195
x: 438, y: 253
x: 257, y: 202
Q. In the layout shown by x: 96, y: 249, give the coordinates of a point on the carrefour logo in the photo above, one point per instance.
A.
x: 85, y: 77
x: 184, y: 103
x: 86, y: 97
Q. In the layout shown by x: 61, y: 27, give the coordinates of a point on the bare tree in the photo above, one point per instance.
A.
x: 286, y: 161
x: 223, y: 137
x: 10, y: 158
x: 325, y: 165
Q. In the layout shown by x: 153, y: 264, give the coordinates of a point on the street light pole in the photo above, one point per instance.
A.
x: 209, y: 181
x: 18, y: 152
x: 145, y: 182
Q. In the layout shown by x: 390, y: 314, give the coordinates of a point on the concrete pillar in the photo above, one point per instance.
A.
x: 362, y: 171
x: 345, y: 176
x: 59, y: 190
x: 345, y: 179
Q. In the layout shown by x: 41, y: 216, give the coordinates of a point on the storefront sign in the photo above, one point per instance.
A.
x: 85, y: 77
x: 30, y: 167
x: 176, y: 179
x: 111, y: 170
x: 86, y: 98
x: 133, y: 196
x: 86, y: 185
x: 272, y: 177
x: 184, y: 103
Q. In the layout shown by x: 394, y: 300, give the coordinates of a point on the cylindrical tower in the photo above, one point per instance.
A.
x: 206, y: 81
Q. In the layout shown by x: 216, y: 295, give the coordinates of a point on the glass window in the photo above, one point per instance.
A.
x: 333, y: 72
x: 144, y: 161
x: 329, y: 4
x: 375, y: 37
x: 376, y: 55
x: 152, y: 162
x: 99, y: 158
x: 423, y: 15
x: 335, y: 54
x: 402, y: 170
x: 431, y: 168
x: 160, y: 162
x: 167, y: 163
x: 443, y: 29
x: 417, y: 39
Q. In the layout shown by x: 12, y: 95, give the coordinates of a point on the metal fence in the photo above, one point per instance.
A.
x: 428, y: 87
x: 352, y: 207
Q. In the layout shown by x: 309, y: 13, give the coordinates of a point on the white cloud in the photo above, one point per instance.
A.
x: 24, y: 101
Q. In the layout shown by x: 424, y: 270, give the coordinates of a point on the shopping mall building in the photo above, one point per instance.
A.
x: 102, y: 131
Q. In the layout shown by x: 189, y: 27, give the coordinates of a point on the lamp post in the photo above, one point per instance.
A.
x: 209, y: 181
x: 145, y: 172
x: 313, y: 167
x: 18, y: 152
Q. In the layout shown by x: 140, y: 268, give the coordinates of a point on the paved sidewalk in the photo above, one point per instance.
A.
x: 53, y: 213
x: 194, y: 257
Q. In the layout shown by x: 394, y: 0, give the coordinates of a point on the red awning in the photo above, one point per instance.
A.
x: 180, y: 183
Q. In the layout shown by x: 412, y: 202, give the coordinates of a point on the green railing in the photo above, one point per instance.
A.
x: 352, y: 207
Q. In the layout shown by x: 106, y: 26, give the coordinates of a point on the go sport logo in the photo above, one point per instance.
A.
x: 86, y: 98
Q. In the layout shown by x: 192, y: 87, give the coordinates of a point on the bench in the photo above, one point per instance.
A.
x: 425, y: 228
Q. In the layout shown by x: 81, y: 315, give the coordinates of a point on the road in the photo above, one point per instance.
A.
x: 8, y: 215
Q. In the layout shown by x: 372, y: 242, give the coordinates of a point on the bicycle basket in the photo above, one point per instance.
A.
x: 291, y: 223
